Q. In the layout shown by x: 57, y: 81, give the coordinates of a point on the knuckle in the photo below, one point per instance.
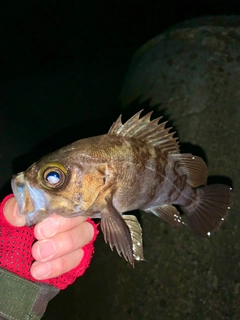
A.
x: 68, y: 242
x: 90, y: 231
x: 66, y: 263
x: 60, y: 266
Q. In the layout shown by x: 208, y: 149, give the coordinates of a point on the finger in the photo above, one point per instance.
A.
x: 63, y: 243
x: 54, y: 268
x: 55, y: 224
x: 12, y: 214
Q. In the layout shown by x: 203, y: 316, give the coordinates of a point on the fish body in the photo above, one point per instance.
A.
x: 136, y: 165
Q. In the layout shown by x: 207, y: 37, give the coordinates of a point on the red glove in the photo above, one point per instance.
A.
x: 16, y: 257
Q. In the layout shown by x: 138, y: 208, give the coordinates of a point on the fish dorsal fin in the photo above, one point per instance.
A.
x: 147, y: 130
x: 194, y: 167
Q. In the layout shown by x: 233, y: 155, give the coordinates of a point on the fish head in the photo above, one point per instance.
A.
x: 60, y: 187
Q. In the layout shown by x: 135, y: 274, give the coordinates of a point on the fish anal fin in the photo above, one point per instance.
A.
x: 149, y: 131
x: 116, y: 232
x: 210, y: 209
x: 136, y: 235
x: 193, y: 167
x: 168, y: 213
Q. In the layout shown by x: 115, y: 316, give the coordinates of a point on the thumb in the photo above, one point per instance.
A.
x: 12, y: 214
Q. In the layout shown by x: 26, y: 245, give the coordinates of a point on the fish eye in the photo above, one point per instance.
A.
x: 52, y: 175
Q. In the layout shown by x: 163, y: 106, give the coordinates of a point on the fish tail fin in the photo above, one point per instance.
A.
x: 210, y: 208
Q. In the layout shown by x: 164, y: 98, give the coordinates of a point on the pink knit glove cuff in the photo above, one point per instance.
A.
x: 15, y: 252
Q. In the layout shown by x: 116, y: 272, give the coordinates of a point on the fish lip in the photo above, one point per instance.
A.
x: 18, y: 190
x: 21, y: 190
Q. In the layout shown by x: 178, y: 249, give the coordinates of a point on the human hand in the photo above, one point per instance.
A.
x: 60, y: 241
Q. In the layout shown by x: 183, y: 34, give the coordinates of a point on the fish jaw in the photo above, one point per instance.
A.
x: 33, y: 203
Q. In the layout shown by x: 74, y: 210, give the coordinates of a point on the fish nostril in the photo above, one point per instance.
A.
x: 20, y: 185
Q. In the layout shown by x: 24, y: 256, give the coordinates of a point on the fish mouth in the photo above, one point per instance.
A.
x: 33, y: 203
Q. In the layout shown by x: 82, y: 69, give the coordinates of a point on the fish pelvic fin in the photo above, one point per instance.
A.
x: 116, y: 232
x: 136, y: 235
x: 147, y: 130
x: 168, y: 213
x: 210, y: 209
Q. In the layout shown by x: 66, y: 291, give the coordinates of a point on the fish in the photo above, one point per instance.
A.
x: 136, y: 165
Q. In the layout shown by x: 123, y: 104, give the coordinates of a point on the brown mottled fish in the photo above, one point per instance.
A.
x: 136, y: 165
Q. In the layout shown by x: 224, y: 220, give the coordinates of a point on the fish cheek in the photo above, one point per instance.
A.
x: 93, y: 182
x: 80, y: 192
x: 63, y: 204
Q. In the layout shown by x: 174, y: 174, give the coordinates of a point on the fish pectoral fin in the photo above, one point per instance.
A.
x: 116, y: 232
x: 168, y: 213
x: 193, y: 167
x: 136, y: 235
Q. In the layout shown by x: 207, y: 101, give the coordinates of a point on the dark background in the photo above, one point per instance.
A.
x: 42, y: 32
x: 62, y: 65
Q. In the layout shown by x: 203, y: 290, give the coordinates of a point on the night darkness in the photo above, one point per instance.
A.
x: 62, y: 67
x: 42, y: 32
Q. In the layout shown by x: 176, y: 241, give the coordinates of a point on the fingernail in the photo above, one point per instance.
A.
x: 46, y: 249
x: 41, y: 270
x: 47, y: 228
